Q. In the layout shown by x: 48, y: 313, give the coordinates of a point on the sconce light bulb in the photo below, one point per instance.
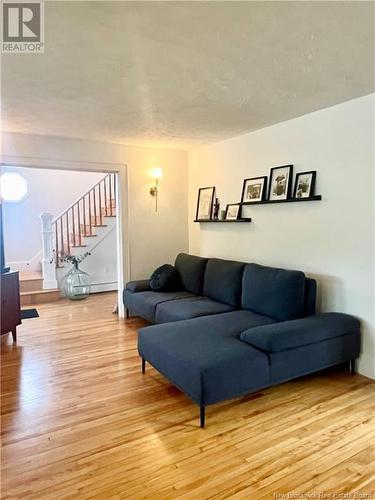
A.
x: 157, y: 173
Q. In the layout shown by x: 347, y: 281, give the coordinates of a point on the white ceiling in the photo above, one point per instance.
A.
x: 179, y: 74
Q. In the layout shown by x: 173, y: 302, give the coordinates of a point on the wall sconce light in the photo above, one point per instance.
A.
x: 156, y: 173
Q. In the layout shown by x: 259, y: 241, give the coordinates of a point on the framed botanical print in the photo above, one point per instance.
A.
x: 280, y: 182
x: 254, y: 189
x: 205, y: 203
x: 233, y: 211
x: 305, y: 184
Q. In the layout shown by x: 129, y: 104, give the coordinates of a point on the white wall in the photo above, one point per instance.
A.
x: 48, y: 191
x: 332, y: 240
x: 154, y: 238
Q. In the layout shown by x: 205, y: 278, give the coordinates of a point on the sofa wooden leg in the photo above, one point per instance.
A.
x: 14, y: 335
x: 127, y: 314
x: 202, y: 415
x: 352, y: 366
x: 143, y: 365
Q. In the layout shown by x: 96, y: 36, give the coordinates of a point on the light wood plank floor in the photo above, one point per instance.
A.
x: 79, y: 421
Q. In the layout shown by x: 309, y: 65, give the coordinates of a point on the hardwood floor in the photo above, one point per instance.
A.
x: 79, y: 420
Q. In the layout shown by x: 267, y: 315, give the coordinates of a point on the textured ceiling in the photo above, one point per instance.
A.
x: 179, y: 74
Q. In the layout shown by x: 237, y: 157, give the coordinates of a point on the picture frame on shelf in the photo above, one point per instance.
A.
x: 205, y: 203
x: 304, y: 186
x: 254, y: 189
x: 280, y: 184
x: 232, y: 211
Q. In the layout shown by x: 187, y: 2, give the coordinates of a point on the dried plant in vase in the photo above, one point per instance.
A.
x: 74, y: 259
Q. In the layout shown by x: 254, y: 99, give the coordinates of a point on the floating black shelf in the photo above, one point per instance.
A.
x: 223, y: 220
x: 317, y: 197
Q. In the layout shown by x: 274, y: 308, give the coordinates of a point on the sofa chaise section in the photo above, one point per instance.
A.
x: 205, y: 357
x: 274, y: 337
x: 209, y: 359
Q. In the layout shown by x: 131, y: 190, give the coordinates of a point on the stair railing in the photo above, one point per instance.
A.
x: 79, y: 219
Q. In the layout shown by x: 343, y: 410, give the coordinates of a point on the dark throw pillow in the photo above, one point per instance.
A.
x: 165, y: 278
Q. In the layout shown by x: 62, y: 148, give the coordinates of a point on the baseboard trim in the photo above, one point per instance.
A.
x: 104, y: 287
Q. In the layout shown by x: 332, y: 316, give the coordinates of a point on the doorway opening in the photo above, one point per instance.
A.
x: 65, y: 219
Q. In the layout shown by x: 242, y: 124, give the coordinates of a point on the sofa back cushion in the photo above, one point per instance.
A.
x: 191, y: 270
x: 223, y: 281
x: 277, y: 293
x: 310, y: 297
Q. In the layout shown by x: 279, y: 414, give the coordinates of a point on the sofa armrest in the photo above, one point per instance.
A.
x: 279, y: 337
x: 138, y: 286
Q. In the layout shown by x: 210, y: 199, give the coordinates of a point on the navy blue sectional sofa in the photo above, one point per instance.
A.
x: 234, y: 328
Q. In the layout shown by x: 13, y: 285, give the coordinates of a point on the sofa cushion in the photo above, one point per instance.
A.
x: 310, y: 297
x: 205, y: 358
x: 144, y: 303
x: 223, y: 281
x: 278, y: 293
x: 301, y: 332
x: 176, y: 310
x: 191, y: 270
x: 165, y: 278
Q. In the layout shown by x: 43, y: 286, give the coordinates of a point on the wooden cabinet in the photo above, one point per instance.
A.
x: 10, y: 303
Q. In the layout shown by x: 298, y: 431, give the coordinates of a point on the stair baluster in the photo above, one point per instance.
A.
x: 67, y: 231
x: 114, y: 191
x: 105, y: 196
x: 95, y: 219
x: 90, y: 221
x: 84, y: 216
x: 110, y: 194
x: 79, y: 225
x: 74, y: 227
x: 62, y: 238
x: 100, y: 206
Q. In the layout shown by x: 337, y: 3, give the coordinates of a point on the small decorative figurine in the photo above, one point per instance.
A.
x: 216, y: 208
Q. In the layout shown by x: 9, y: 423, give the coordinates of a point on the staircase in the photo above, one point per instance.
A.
x: 74, y: 231
x: 32, y: 292
x: 77, y: 224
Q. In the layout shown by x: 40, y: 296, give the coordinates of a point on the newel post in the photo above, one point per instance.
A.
x: 48, y: 263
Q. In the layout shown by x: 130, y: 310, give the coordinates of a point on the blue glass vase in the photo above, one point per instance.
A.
x: 76, y: 284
